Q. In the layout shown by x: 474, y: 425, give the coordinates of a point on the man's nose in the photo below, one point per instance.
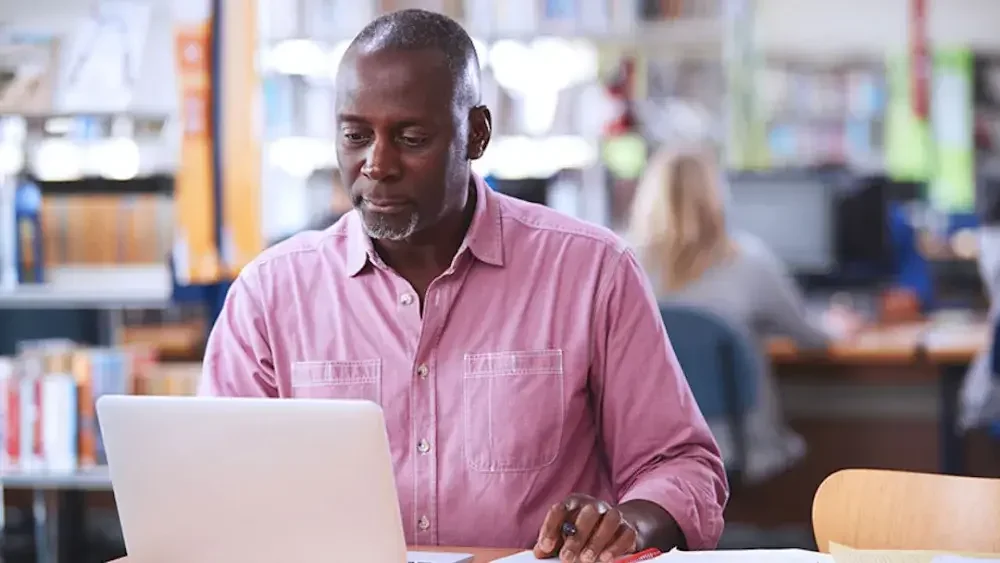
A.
x: 381, y: 161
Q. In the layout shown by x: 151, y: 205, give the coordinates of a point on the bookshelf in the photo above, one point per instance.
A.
x: 134, y: 287
x: 99, y: 210
x: 50, y: 440
x: 96, y: 479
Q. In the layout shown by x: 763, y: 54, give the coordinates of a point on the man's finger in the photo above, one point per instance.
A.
x: 550, y: 534
x: 623, y: 543
x: 586, y: 521
x: 603, y: 536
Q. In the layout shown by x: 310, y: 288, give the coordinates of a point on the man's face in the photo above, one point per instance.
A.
x: 401, y: 147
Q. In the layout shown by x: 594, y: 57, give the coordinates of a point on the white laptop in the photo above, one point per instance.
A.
x: 214, y: 480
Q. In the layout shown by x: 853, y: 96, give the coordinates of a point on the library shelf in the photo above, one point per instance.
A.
x: 95, y: 479
x: 113, y: 287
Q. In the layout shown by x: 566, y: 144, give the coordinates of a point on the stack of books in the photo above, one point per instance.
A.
x: 47, y: 397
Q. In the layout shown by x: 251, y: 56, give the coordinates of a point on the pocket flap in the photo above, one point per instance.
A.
x: 322, y: 373
x: 524, y: 362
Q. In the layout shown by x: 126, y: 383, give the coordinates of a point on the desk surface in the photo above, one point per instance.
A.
x: 936, y: 343
x: 482, y: 555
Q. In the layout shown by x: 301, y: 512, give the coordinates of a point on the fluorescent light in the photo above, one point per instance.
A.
x: 58, y: 160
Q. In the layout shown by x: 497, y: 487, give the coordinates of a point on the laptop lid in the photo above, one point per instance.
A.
x: 212, y: 480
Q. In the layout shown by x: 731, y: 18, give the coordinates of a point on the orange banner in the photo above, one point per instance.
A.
x: 242, y: 237
x: 196, y: 255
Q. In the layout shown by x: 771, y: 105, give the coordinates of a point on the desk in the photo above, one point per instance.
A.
x: 879, y: 345
x: 949, y: 348
x: 484, y: 555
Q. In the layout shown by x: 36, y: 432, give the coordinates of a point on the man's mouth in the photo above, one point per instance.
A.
x: 384, y: 205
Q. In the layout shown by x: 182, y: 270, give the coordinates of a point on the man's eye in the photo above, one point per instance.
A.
x: 354, y: 138
x: 412, y: 141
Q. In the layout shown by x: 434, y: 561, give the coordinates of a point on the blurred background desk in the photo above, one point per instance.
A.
x: 886, y: 399
x: 901, y: 353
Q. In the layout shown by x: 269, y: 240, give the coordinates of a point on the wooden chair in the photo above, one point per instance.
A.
x: 877, y: 509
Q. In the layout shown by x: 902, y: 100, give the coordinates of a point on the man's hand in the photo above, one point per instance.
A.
x: 602, y: 533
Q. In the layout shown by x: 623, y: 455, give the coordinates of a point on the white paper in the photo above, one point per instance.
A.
x: 747, y: 556
x: 519, y: 557
x: 722, y: 556
x: 428, y: 557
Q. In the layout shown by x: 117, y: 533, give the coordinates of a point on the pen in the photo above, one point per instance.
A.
x: 644, y: 555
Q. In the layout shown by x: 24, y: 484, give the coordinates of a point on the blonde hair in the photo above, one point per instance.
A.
x: 677, y: 221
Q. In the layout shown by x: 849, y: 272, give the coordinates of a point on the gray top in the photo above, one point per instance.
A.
x: 754, y: 292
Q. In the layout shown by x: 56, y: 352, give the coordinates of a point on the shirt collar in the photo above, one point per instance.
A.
x: 484, y: 238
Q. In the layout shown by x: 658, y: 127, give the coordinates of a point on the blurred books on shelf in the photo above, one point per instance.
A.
x: 610, y: 20
x: 177, y: 333
x: 47, y: 397
x: 80, y: 247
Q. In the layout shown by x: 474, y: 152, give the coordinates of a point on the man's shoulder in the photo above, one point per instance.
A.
x: 526, y: 221
x: 300, y: 252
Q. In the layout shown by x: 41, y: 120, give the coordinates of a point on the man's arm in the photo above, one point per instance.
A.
x: 238, y: 355
x: 665, y: 465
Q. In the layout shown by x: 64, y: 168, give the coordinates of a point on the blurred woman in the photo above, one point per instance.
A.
x: 679, y: 231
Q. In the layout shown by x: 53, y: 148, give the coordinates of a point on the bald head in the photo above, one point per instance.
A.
x: 422, y: 30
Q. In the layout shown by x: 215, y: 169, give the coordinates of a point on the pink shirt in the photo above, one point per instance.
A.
x: 540, y: 367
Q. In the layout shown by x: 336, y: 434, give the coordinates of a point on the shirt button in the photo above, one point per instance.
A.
x: 423, y: 446
x: 424, y: 523
x: 422, y: 371
x: 406, y: 299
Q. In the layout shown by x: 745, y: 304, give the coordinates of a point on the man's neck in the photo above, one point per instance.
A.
x: 431, y: 251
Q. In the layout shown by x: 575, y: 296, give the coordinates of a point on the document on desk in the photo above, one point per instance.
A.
x: 436, y: 557
x: 721, y: 556
x: 844, y: 554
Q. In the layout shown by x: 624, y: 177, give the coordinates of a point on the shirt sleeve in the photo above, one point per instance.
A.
x: 238, y: 359
x: 657, y: 442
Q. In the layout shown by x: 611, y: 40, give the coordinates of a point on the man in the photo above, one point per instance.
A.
x: 518, y: 354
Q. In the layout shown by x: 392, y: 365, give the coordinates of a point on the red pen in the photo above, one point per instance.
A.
x: 644, y: 555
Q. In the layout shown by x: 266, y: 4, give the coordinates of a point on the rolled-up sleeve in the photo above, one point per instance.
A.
x: 238, y: 361
x: 658, y: 444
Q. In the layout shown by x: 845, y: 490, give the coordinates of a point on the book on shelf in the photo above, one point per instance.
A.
x: 40, y: 232
x: 48, y: 421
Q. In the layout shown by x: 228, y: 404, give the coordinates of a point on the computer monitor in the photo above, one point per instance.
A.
x: 793, y: 214
x: 533, y: 190
x: 863, y: 248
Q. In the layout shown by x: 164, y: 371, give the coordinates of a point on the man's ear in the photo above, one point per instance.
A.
x: 480, y: 132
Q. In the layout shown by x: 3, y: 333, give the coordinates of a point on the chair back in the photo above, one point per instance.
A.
x: 719, y: 361
x: 722, y: 368
x: 879, y: 509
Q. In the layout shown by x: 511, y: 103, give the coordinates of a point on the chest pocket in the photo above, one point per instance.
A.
x: 338, y: 380
x: 513, y: 409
